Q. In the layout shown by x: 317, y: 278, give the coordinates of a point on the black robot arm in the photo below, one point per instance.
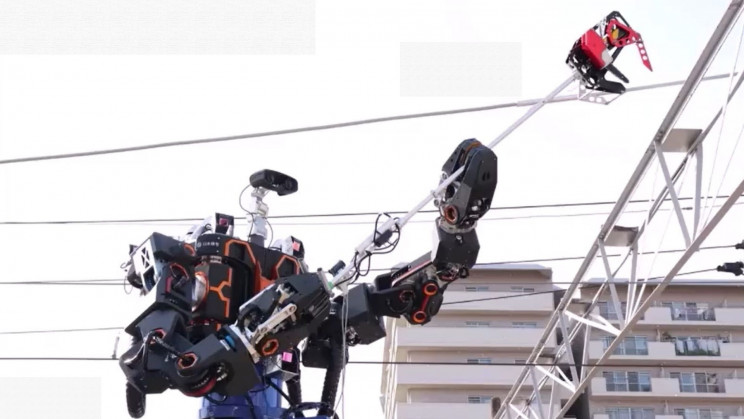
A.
x: 415, y: 290
x: 173, y: 349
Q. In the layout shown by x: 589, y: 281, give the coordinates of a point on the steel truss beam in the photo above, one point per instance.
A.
x: 573, y: 326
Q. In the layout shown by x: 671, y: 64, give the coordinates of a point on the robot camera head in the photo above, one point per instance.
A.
x: 274, y: 181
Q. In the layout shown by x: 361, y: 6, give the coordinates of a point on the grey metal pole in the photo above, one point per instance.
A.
x: 367, y: 244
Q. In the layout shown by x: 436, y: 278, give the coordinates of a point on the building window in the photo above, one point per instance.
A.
x: 690, y: 311
x: 524, y: 325
x: 631, y: 345
x: 476, y: 288
x: 607, y: 309
x: 699, y: 413
x: 523, y: 289
x: 627, y: 381
x: 698, y: 346
x: 479, y: 399
x: 697, y: 382
x: 630, y: 413
x: 472, y: 323
x: 479, y: 360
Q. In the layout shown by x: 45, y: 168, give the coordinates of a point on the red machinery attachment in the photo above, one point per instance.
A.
x: 592, y: 56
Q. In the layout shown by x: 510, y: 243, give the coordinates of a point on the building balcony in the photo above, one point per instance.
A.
x: 490, y: 338
x: 472, y: 376
x: 728, y: 317
x: 447, y: 410
x: 657, y: 416
x: 666, y: 388
x: 606, y: 416
x: 524, y: 304
x: 442, y: 410
x: 667, y: 351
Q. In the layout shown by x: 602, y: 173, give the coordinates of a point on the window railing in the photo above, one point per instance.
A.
x: 698, y: 346
x: 690, y: 311
x: 607, y: 310
x: 698, y: 382
x: 630, y: 413
x: 631, y: 345
x: 699, y: 413
x: 627, y: 381
x: 479, y: 399
x: 693, y: 314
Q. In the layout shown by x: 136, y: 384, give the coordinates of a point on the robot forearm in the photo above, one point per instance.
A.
x: 415, y: 291
x: 285, y: 313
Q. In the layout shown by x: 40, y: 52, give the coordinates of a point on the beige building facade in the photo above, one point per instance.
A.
x: 490, y: 337
x: 683, y: 360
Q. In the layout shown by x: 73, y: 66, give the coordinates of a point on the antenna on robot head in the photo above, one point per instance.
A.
x: 263, y: 182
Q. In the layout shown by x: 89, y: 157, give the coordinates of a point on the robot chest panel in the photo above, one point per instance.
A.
x: 231, y: 272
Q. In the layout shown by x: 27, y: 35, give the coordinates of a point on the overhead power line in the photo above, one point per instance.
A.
x: 119, y: 281
x: 34, y: 332
x: 101, y: 282
x: 559, y: 364
x: 502, y: 297
x: 350, y: 214
x: 492, y: 364
x: 522, y: 103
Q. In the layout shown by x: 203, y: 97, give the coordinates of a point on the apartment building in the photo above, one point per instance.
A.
x: 683, y: 360
x: 487, y: 338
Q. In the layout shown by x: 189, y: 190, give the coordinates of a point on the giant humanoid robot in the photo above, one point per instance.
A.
x: 232, y: 320
x: 229, y: 316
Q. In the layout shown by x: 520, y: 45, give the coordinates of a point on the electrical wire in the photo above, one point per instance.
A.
x: 325, y: 215
x: 486, y: 219
x: 92, y: 329
x: 724, y: 108
x: 382, y: 248
x: 461, y: 282
x: 502, y: 297
x: 725, y: 171
x: 117, y: 282
x: 347, y: 124
x: 492, y: 364
x: 251, y: 406
x: 246, y: 210
x: 344, y: 327
x: 482, y: 220
x: 114, y: 282
x: 557, y: 364
x: 280, y: 391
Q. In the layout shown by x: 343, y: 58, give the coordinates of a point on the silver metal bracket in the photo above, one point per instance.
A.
x: 273, y: 322
x: 596, y: 97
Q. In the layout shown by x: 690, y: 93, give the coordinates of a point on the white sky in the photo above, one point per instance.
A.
x: 567, y: 153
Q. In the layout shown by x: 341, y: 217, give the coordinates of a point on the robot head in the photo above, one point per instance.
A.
x: 274, y: 181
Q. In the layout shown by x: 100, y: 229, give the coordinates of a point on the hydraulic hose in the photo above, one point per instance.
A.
x: 332, y: 377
